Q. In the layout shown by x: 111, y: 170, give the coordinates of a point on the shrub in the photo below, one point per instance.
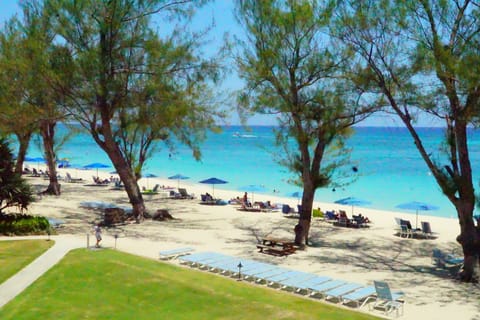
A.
x: 22, y: 224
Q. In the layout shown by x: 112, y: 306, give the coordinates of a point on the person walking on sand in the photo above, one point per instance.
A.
x: 98, y: 235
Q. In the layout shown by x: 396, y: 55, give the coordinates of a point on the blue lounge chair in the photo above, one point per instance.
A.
x: 276, y: 279
x: 194, y: 259
x: 338, y: 292
x: 175, y: 253
x: 362, y: 295
x: 231, y: 267
x: 297, y: 278
x: 304, y: 286
x: 264, y: 276
x: 386, y: 299
x: 319, y: 289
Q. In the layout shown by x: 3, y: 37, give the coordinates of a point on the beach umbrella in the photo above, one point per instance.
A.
x: 150, y: 175
x: 213, y: 182
x: 96, y: 165
x: 417, y: 206
x: 296, y: 194
x: 253, y: 188
x: 178, y: 177
x: 352, y: 201
x: 63, y: 163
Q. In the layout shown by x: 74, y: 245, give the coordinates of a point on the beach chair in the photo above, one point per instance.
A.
x: 68, y: 178
x: 196, y: 258
x: 330, y: 216
x: 427, y: 230
x: 338, y: 292
x: 175, y: 253
x: 319, y: 289
x: 406, y: 230
x: 301, y: 283
x: 183, y: 194
x: 386, y: 299
x: 447, y: 262
x: 361, y: 295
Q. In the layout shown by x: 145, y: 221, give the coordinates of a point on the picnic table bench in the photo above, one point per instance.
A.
x: 276, y: 246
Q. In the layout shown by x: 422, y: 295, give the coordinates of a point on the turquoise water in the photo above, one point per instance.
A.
x: 390, y: 170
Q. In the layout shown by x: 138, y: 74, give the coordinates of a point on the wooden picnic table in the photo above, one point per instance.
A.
x: 276, y: 246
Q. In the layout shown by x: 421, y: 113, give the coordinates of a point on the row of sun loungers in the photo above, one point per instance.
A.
x: 333, y: 290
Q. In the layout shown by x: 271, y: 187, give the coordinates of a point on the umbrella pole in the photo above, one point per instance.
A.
x: 416, y: 220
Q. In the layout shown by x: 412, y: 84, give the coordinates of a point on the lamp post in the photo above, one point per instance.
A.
x: 116, y: 237
x: 240, y: 271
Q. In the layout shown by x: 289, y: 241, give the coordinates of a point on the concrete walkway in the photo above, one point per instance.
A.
x: 20, y: 281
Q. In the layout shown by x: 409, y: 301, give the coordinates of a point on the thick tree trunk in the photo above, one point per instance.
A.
x: 469, y: 239
x: 47, y: 130
x: 128, y: 178
x: 23, y: 141
x: 302, y: 229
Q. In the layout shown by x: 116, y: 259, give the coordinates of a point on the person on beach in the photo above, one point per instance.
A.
x: 245, y: 200
x: 98, y: 235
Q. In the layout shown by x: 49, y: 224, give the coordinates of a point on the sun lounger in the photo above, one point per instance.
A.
x: 68, y: 178
x: 276, y: 279
x: 298, y: 277
x: 361, y: 295
x: 338, y: 292
x: 386, y: 299
x: 301, y: 282
x: 230, y: 267
x: 205, y: 264
x: 175, y: 253
x: 264, y: 276
x: 251, y: 272
x: 427, y: 230
x: 195, y: 258
x: 319, y: 289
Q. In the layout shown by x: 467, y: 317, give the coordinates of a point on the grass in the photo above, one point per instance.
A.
x: 108, y: 284
x: 16, y: 254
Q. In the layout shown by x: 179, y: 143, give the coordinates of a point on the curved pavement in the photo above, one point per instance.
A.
x: 22, y: 279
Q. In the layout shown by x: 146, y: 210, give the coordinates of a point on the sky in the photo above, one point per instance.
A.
x: 221, y: 13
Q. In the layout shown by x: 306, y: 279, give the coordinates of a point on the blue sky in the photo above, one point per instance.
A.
x: 220, y: 11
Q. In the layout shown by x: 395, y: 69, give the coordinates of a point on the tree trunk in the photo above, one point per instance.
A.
x: 469, y: 239
x: 23, y: 141
x: 47, y: 130
x: 128, y: 178
x: 302, y: 229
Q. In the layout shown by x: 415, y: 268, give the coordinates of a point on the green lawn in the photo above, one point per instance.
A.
x: 108, y: 284
x: 16, y: 254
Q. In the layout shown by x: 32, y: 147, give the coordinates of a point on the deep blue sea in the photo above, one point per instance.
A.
x: 390, y: 170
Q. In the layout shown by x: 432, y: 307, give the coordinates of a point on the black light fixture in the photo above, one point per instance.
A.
x: 240, y: 271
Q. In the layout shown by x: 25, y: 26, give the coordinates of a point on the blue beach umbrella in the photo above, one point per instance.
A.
x: 253, y: 188
x: 296, y: 194
x: 149, y: 175
x: 352, y: 201
x: 96, y: 165
x: 178, y: 177
x: 213, y: 182
x: 416, y: 205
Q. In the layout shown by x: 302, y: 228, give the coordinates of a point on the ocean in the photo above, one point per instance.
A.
x: 389, y: 170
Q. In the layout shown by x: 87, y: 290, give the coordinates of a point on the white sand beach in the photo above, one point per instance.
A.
x: 357, y: 255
